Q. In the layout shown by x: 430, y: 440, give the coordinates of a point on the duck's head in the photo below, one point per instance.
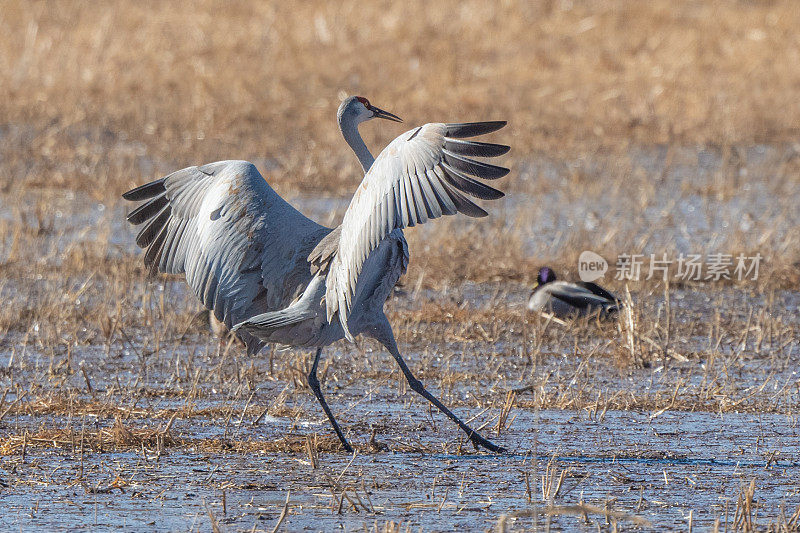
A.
x: 545, y: 276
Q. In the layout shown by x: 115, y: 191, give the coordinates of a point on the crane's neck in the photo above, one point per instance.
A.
x: 350, y: 133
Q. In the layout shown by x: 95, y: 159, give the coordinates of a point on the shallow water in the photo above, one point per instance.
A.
x: 653, y: 468
x: 654, y: 463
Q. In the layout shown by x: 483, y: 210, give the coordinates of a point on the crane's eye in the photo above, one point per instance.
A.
x: 364, y: 101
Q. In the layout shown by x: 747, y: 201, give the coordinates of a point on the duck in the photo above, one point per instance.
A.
x: 565, y: 299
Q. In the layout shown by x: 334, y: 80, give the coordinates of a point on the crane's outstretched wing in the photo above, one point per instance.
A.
x: 419, y: 176
x: 242, y: 247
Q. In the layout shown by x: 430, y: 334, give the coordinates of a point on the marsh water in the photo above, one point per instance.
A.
x: 666, y: 466
x: 669, y: 463
x: 661, y: 470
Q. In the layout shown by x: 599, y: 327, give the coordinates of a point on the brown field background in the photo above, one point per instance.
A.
x: 101, y: 97
x: 202, y: 81
x: 98, y: 97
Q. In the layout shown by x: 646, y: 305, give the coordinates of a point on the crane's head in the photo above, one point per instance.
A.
x: 357, y: 109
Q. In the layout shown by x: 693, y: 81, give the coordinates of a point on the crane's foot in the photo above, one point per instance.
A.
x: 346, y: 445
x: 480, y: 442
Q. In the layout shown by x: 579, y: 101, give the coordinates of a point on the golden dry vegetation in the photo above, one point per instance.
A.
x: 98, y: 87
x: 621, y: 114
x: 101, y: 98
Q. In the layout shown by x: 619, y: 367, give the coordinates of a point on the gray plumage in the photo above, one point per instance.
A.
x: 274, y: 276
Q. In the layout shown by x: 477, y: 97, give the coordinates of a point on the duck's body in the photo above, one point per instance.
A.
x: 566, y: 299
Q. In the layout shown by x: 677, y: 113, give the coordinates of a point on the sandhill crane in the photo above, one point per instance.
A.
x: 273, y: 275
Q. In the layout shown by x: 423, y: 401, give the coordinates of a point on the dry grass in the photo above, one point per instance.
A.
x: 151, y: 440
x: 98, y: 97
x: 615, y: 109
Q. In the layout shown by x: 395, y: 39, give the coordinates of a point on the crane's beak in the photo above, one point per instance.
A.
x: 380, y: 113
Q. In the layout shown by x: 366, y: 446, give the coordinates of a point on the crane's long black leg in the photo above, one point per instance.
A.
x: 385, y: 336
x: 313, y: 382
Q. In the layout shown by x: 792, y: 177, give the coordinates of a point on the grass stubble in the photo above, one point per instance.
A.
x: 97, y: 359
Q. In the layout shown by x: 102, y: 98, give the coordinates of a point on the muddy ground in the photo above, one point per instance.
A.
x: 194, y: 433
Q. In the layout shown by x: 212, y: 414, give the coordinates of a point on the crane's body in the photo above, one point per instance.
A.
x: 273, y: 275
x: 303, y: 322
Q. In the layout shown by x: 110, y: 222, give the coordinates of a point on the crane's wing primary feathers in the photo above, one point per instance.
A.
x: 421, y: 175
x: 242, y: 247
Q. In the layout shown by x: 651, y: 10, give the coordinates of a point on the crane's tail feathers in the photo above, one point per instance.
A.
x: 303, y: 309
x: 473, y: 129
x: 273, y: 320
